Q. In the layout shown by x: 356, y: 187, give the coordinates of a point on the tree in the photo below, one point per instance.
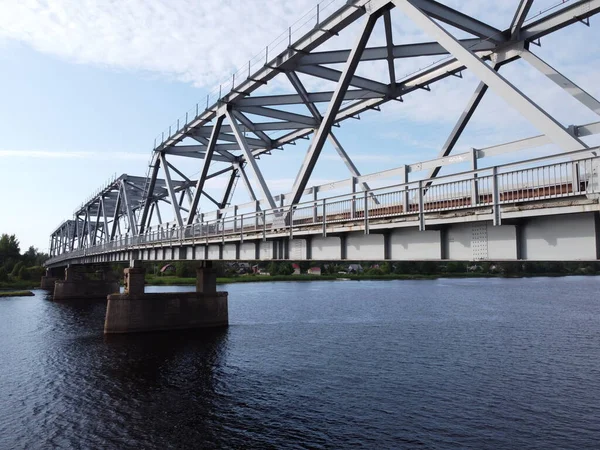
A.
x: 23, y: 273
x: 17, y: 268
x: 3, y: 274
x: 9, y: 248
x: 286, y: 269
x: 30, y: 256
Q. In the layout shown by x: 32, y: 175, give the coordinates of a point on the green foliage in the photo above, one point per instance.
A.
x: 23, y: 273
x: 285, y: 269
x: 17, y: 269
x: 3, y: 274
x: 456, y: 267
x: 428, y: 267
x: 185, y: 269
x: 9, y: 248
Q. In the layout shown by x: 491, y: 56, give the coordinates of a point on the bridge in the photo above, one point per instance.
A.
x: 541, y: 208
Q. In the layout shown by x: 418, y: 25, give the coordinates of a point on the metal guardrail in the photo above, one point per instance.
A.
x: 493, y: 186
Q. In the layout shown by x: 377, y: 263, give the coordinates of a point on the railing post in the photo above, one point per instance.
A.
x: 405, y: 194
x: 496, y: 197
x: 421, y: 207
x: 366, y: 201
x: 235, y: 212
x: 264, y: 226
x: 291, y: 216
x: 353, y: 201
x: 324, y: 220
x: 576, y: 177
x: 257, y: 210
x: 474, y: 183
x: 315, y: 198
x: 242, y: 229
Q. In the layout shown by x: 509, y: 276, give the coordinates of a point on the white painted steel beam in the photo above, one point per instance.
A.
x: 246, y: 182
x: 539, y: 118
x: 301, y: 90
x: 325, y: 127
x: 174, y: 203
x: 205, y: 166
x: 572, y: 13
x: 267, y: 142
x: 458, y: 20
x: 199, y: 151
x: 397, y: 52
x: 250, y: 160
x: 115, y: 220
x: 229, y: 189
x: 519, y: 18
x: 387, y: 21
x: 277, y: 114
x: 334, y: 75
x: 575, y: 91
x: 461, y: 124
x: 128, y: 209
x: 295, y: 99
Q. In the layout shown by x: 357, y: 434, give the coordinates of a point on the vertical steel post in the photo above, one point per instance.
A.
x: 474, y: 183
x: 324, y: 220
x: 421, y: 207
x: 366, y: 200
x: 496, y: 197
x: 353, y: 200
x: 405, y: 195
x: 242, y: 229
x: 315, y: 198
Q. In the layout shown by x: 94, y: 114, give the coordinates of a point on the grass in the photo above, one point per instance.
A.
x: 16, y: 294
x: 183, y: 281
x: 191, y: 281
x: 19, y: 284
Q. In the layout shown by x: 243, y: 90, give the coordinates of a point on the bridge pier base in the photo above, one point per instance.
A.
x: 137, y: 311
x: 80, y: 283
x: 48, y: 280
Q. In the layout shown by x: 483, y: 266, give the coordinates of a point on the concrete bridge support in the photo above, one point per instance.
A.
x: 92, y: 282
x: 137, y: 311
x: 52, y: 275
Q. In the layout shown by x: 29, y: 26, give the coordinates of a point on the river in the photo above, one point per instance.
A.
x: 449, y: 363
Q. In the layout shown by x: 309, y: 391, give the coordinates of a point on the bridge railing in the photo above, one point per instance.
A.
x: 487, y: 187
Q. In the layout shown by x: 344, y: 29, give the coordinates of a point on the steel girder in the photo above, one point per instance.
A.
x: 248, y: 122
x: 285, y: 127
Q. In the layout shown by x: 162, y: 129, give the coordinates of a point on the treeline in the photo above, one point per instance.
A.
x: 15, y: 266
x: 184, y: 269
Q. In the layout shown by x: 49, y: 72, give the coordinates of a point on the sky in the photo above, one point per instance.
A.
x: 86, y: 86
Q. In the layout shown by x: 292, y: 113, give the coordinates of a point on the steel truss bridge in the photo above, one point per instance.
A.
x: 542, y: 208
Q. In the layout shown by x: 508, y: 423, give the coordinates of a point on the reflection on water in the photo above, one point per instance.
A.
x: 394, y: 364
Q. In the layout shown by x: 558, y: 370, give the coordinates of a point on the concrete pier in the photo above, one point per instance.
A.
x: 85, y: 282
x: 52, y: 275
x: 136, y: 311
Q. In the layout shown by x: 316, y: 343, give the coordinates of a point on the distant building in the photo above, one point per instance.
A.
x: 314, y: 271
x: 296, y: 268
x: 355, y: 268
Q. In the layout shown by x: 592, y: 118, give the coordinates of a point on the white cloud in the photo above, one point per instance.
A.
x: 190, y: 40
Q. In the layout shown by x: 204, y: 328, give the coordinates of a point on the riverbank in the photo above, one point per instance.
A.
x: 16, y: 294
x: 18, y: 285
x: 183, y: 281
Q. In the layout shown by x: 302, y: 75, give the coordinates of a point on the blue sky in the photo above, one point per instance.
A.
x: 86, y: 86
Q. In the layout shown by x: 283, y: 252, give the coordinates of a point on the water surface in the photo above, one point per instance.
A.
x: 482, y: 363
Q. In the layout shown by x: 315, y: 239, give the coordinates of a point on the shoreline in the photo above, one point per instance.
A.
x: 151, y: 280
x: 181, y: 281
x: 16, y: 294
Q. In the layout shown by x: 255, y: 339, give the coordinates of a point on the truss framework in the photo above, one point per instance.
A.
x: 246, y: 124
